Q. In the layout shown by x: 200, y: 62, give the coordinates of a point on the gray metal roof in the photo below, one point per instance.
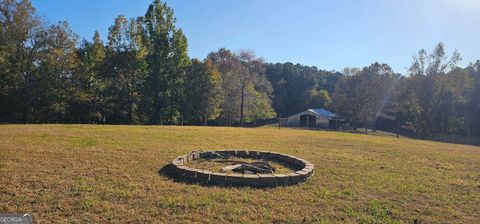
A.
x: 323, y: 112
x: 317, y: 112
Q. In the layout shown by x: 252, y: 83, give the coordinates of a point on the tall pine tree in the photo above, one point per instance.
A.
x: 167, y: 60
x: 126, y: 70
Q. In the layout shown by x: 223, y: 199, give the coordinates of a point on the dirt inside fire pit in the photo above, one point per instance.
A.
x: 216, y: 164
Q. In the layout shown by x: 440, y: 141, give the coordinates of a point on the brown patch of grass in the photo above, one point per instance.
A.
x: 85, y: 173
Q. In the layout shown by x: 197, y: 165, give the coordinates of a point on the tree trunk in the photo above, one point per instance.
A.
x: 445, y: 122
x: 25, y: 116
x: 155, y: 110
x: 242, y: 98
x: 205, y: 119
x: 130, y: 109
x: 397, y: 129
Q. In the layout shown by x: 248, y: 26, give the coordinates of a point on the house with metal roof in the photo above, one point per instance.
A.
x: 310, y: 118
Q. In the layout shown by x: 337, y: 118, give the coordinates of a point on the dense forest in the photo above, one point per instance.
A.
x: 142, y: 74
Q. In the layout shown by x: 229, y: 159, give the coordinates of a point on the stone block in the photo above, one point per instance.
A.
x: 267, y: 180
x: 242, y: 153
x: 196, y: 155
x: 190, y: 157
x: 264, y: 154
x: 205, y: 154
x: 294, y: 178
x: 188, y: 172
x: 177, y: 161
x: 227, y: 152
x: 185, y: 159
x: 281, y: 179
x: 218, y: 178
x: 234, y: 179
x: 302, y: 172
x: 250, y: 180
x: 308, y: 168
x: 203, y: 176
x: 297, y: 162
x: 277, y: 157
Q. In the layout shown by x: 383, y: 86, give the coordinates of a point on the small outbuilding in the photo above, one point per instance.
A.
x: 311, y: 118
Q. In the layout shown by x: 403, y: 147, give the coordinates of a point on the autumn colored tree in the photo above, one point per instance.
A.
x: 22, y: 36
x: 203, y: 95
x: 259, y: 106
x: 239, y: 72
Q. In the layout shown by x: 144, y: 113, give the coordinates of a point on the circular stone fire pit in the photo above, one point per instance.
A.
x: 300, y: 169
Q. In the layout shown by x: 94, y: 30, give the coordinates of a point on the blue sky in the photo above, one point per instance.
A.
x: 329, y: 34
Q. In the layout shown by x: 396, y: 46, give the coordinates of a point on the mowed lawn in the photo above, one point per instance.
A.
x: 110, y: 174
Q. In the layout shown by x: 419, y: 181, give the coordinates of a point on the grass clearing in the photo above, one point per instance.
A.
x: 87, y: 173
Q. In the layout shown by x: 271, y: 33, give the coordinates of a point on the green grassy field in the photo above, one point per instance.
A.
x: 109, y: 174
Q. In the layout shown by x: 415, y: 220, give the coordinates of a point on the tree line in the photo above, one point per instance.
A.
x: 435, y: 97
x: 142, y: 74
